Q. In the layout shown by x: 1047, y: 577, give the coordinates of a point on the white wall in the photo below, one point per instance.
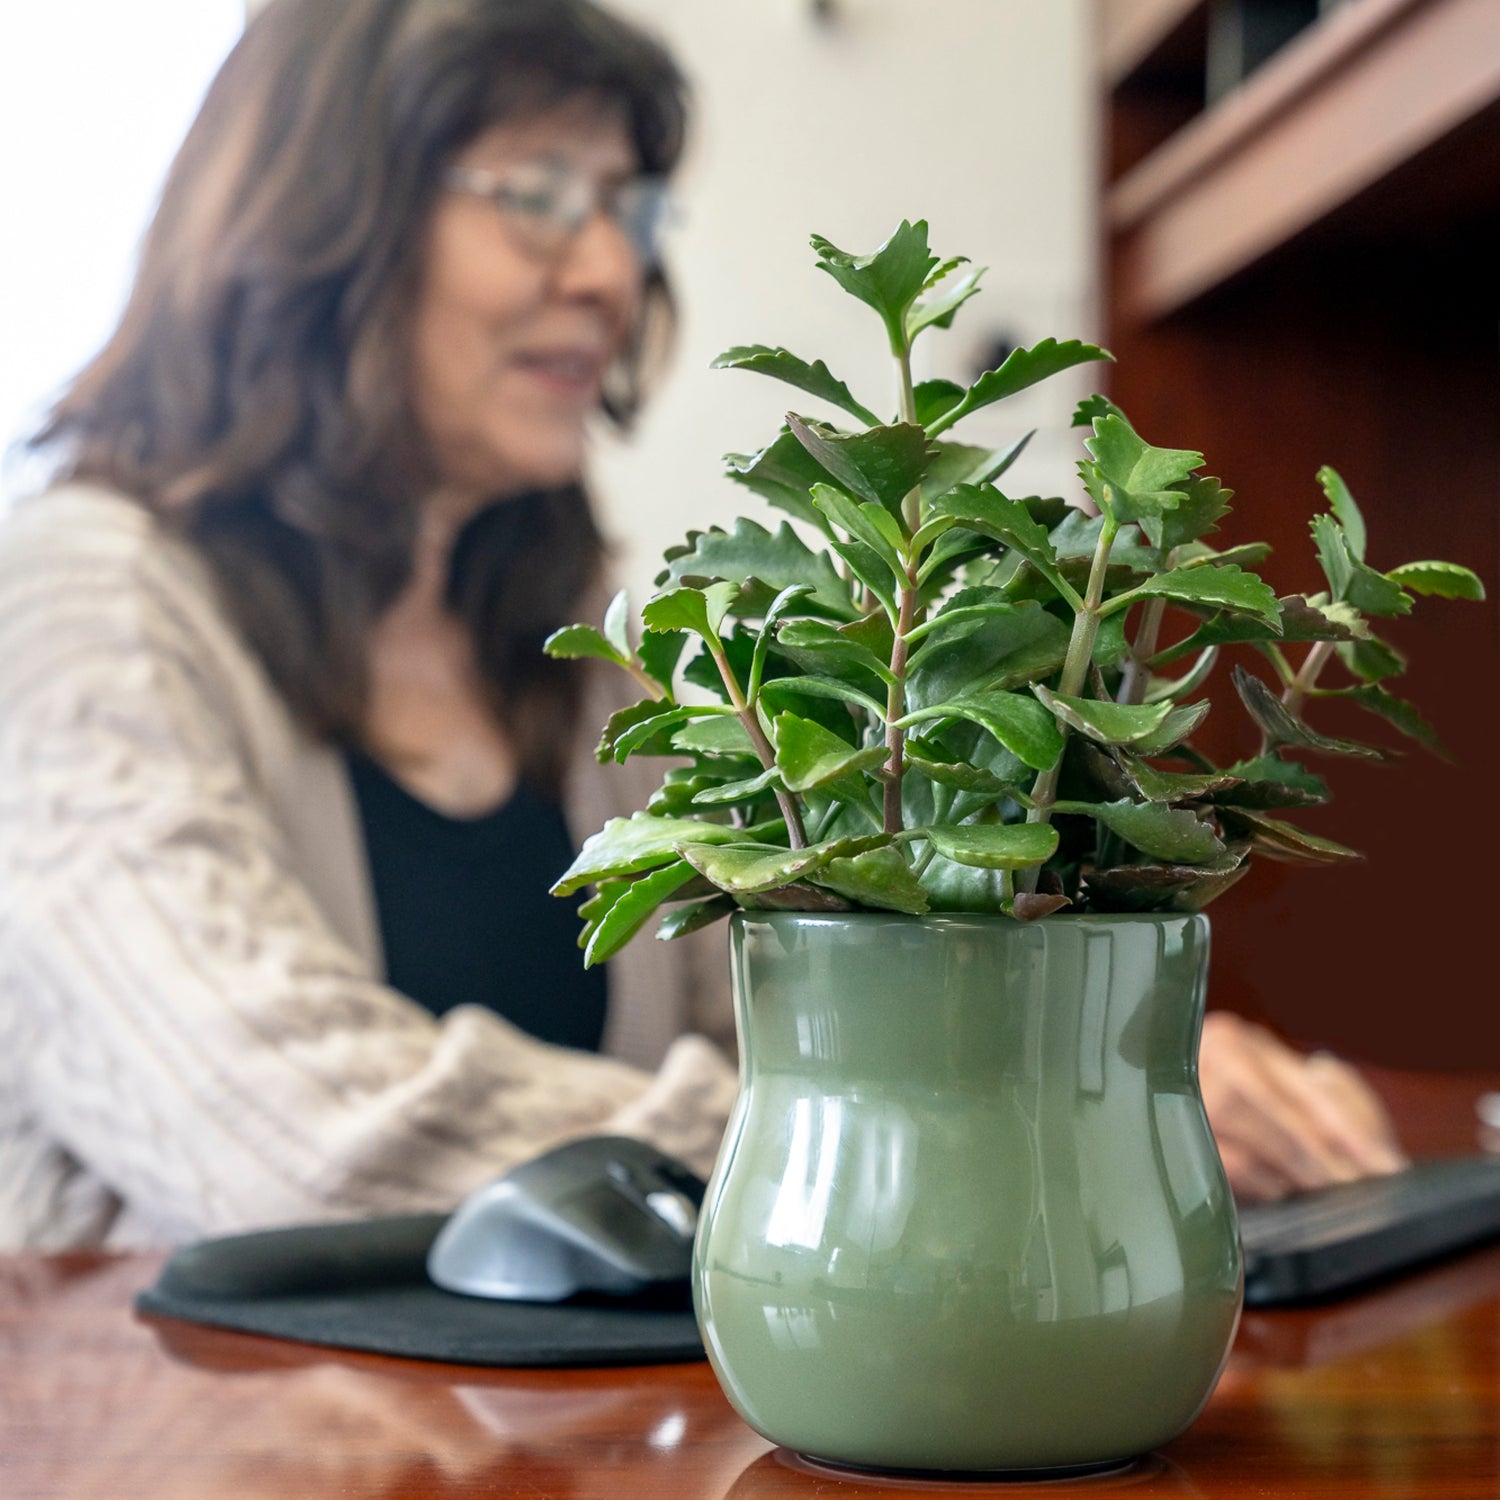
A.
x: 96, y: 97
x: 974, y: 114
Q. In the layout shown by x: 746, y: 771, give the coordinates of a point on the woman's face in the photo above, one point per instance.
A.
x: 511, y: 342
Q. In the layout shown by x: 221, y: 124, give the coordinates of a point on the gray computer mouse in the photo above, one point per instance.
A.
x: 606, y: 1214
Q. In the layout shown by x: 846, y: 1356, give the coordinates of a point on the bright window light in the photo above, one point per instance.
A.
x: 97, y: 96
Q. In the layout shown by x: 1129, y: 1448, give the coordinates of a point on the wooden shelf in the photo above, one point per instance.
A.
x: 1130, y: 31
x: 1307, y: 272
x: 1368, y: 88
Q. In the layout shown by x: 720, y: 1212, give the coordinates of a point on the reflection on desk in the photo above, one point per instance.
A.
x: 1393, y: 1395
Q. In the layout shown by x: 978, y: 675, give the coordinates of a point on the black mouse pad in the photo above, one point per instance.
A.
x: 364, y: 1286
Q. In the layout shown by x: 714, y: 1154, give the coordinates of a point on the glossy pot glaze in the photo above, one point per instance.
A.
x: 968, y: 1214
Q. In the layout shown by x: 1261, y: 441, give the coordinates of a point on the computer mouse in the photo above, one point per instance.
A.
x: 607, y: 1214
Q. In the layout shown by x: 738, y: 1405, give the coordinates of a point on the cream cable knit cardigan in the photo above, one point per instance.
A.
x: 194, y: 1037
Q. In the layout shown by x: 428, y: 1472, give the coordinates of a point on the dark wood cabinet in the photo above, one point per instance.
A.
x: 1306, y: 270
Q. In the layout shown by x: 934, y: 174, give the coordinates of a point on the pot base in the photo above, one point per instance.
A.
x: 969, y: 1476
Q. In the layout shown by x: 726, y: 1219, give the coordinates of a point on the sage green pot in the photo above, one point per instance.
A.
x: 968, y: 1214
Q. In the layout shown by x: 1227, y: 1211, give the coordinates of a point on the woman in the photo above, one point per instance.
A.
x: 273, y: 716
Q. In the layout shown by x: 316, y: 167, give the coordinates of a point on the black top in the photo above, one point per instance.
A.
x: 465, y: 918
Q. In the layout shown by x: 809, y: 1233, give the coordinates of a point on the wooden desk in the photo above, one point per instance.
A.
x: 1394, y: 1394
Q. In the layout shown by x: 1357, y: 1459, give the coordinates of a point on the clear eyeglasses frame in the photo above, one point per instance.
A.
x: 545, y: 205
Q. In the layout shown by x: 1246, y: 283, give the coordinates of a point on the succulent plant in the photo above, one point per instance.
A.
x: 955, y: 699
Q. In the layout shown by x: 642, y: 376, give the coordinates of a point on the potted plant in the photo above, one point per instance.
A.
x: 938, y: 766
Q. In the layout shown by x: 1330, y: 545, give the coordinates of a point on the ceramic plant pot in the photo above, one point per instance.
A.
x: 968, y: 1214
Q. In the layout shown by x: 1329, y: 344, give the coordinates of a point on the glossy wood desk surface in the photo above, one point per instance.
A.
x: 1392, y: 1394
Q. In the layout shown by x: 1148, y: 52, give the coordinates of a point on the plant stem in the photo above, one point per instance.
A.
x: 895, y: 707
x: 1136, y: 675
x: 895, y: 697
x: 1074, y: 675
x: 795, y: 832
x: 1307, y: 675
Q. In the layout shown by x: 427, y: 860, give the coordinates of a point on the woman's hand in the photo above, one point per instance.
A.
x: 1285, y: 1121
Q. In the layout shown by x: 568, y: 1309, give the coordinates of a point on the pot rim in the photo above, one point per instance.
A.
x: 957, y: 918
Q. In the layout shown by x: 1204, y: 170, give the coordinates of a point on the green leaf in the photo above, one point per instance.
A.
x: 937, y: 311
x: 819, y: 648
x: 1333, y: 554
x: 652, y: 735
x: 778, y: 608
x: 822, y: 687
x: 1077, y: 535
x: 960, y: 775
x: 694, y: 917
x: 1162, y: 887
x: 1372, y: 660
x: 1299, y: 621
x: 782, y: 473
x: 720, y: 736
x: 1341, y: 502
x: 984, y: 509
x: 1245, y: 555
x: 1269, y: 781
x: 1399, y: 712
x: 1373, y: 593
x: 978, y: 646
x: 1171, y: 786
x: 809, y: 756
x: 1183, y: 719
x: 779, y: 559
x: 1092, y: 408
x: 1104, y: 722
x: 1225, y: 586
x: 575, y: 641
x: 1131, y: 480
x: 882, y: 465
x: 1111, y: 644
x: 1444, y: 579
x: 747, y: 789
x: 1285, y: 841
x: 932, y: 398
x: 860, y: 522
x: 993, y: 846
x: 960, y: 614
x: 954, y: 464
x: 616, y: 623
x: 1168, y: 833
x: 700, y: 610
x: 1021, y: 368
x: 1350, y: 579
x: 745, y: 868
x: 1024, y: 727
x: 674, y: 797
x: 954, y: 546
x: 867, y: 566
x: 625, y: 845
x: 880, y: 878
x: 816, y: 378
x: 661, y: 714
x: 631, y: 908
x: 1282, y: 727
x: 890, y: 280
x: 659, y: 653
x: 1132, y: 465
x: 1204, y: 504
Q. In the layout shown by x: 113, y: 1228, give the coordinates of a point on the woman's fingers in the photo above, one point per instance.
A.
x: 1284, y: 1121
x: 1354, y: 1111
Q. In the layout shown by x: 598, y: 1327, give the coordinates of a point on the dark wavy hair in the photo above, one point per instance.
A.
x: 256, y: 393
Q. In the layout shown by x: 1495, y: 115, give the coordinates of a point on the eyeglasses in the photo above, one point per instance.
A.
x: 545, y: 204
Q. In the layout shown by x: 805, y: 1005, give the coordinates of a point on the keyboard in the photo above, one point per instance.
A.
x: 1321, y: 1243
